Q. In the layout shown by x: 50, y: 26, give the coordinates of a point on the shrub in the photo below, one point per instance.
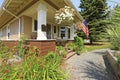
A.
x: 61, y: 51
x: 71, y: 46
x: 118, y: 57
x: 4, y: 52
x: 3, y: 48
x: 23, y: 47
x: 114, y: 29
x: 34, y: 68
x: 79, y: 44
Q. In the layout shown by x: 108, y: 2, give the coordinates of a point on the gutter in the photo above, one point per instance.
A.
x: 19, y: 25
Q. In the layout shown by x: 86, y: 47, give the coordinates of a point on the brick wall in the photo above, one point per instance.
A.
x: 44, y: 46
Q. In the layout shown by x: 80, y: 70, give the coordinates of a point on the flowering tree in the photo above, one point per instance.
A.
x: 64, y: 14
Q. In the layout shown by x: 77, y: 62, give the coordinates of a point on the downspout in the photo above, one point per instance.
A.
x: 19, y: 25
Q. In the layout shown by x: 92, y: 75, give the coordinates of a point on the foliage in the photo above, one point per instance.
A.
x: 23, y: 47
x: 64, y: 14
x: 113, y: 29
x: 118, y: 57
x: 3, y: 48
x: 71, y: 46
x: 4, y: 51
x: 61, y: 51
x: 79, y: 44
x: 95, y: 12
x: 34, y: 68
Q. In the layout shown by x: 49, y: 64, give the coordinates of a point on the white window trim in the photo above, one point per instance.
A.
x: 33, y: 25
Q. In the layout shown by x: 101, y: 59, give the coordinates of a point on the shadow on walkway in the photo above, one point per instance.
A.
x: 90, y: 66
x: 98, y: 71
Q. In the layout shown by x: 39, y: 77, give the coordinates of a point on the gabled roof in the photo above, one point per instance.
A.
x: 18, y: 6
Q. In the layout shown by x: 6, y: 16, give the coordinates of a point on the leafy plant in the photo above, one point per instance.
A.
x: 64, y: 14
x: 61, y: 51
x: 118, y: 57
x: 4, y: 52
x: 114, y: 29
x: 3, y: 49
x: 79, y: 44
x: 34, y: 68
x: 71, y: 46
x: 22, y: 47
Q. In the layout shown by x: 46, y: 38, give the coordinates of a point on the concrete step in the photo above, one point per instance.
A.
x: 70, y: 54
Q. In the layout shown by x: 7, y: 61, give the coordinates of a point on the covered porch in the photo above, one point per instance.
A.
x: 39, y: 23
x: 35, y: 20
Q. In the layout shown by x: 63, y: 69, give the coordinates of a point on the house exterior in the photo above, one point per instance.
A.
x: 35, y: 19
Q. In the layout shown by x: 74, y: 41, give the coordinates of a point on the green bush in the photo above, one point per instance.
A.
x: 79, y: 44
x: 22, y: 47
x: 114, y: 29
x: 61, y: 51
x: 34, y: 68
x: 4, y: 51
x: 71, y: 46
x: 118, y: 57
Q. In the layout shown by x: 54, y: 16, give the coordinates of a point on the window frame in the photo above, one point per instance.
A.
x: 33, y: 25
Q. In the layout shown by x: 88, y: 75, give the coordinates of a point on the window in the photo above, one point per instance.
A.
x: 68, y: 33
x: 35, y: 25
x: 54, y: 29
x: 58, y: 31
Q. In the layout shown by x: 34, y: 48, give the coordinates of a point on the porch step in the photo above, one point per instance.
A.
x: 68, y: 51
x: 70, y: 54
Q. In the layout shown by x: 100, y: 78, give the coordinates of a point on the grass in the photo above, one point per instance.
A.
x: 118, y: 57
x: 97, y: 45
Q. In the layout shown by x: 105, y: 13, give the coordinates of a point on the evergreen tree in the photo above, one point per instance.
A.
x: 95, y: 12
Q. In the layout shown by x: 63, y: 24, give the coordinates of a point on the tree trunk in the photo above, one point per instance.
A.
x: 91, y: 41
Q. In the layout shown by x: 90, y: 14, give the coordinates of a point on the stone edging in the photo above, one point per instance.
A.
x: 113, y: 63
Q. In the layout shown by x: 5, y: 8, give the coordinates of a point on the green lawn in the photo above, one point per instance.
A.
x: 97, y: 45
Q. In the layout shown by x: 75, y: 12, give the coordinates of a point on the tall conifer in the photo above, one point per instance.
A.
x: 95, y: 12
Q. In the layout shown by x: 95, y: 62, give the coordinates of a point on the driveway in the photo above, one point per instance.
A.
x: 89, y: 66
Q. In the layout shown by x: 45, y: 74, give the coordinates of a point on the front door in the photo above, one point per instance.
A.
x: 62, y: 30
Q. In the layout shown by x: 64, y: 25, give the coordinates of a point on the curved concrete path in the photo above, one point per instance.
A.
x: 89, y: 66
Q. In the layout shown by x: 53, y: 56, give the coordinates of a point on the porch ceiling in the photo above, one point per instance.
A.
x: 18, y: 6
x: 15, y: 7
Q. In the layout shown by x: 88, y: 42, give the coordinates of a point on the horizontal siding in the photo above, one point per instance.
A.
x: 4, y: 35
x: 14, y: 30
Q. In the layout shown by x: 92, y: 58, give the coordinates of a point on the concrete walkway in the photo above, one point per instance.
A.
x: 89, y: 66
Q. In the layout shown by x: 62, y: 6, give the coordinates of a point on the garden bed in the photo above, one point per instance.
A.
x: 114, y: 62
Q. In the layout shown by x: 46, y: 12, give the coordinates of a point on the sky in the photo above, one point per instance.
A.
x: 77, y: 3
x: 1, y: 1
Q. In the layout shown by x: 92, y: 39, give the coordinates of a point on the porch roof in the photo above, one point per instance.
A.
x: 18, y: 6
x: 14, y: 6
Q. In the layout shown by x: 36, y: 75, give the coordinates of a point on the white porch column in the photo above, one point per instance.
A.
x: 41, y: 16
x: 72, y: 32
